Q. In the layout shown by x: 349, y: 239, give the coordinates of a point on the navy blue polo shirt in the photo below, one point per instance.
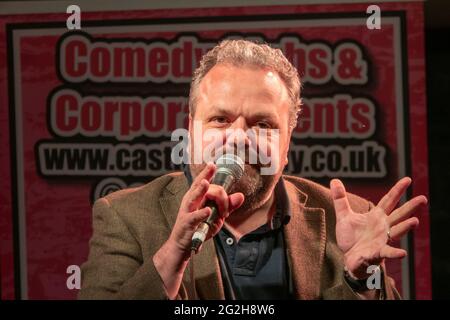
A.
x: 256, y: 267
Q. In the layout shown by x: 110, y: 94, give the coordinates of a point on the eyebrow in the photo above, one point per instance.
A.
x: 257, y: 115
x: 220, y: 109
x: 265, y: 115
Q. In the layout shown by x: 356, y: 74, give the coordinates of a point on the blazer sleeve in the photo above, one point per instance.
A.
x: 115, y: 268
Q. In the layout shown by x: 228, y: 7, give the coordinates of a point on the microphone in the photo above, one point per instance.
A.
x: 230, y: 169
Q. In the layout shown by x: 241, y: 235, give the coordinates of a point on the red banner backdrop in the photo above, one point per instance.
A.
x: 84, y: 113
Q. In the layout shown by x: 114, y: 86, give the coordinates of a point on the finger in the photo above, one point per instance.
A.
x: 198, y: 216
x: 207, y: 173
x: 403, y: 228
x: 390, y: 200
x: 219, y: 196
x: 235, y: 201
x: 195, y: 196
x: 406, y: 210
x: 392, y: 253
x: 339, y: 195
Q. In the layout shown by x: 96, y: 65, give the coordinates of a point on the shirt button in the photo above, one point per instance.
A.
x: 229, y: 241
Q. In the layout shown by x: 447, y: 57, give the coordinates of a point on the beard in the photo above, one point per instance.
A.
x: 255, y: 187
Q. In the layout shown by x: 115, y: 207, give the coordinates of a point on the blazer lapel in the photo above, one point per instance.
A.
x: 208, y: 279
x: 305, y: 236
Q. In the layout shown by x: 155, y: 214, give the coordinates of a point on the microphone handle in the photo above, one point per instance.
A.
x: 214, y: 212
x: 225, y: 180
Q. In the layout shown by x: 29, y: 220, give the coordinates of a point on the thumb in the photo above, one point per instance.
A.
x: 340, y: 201
x: 198, y: 216
x: 235, y: 201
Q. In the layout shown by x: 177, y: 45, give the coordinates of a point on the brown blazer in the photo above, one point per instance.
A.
x: 129, y: 226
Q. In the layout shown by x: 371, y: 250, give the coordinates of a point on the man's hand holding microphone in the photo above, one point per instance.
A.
x: 172, y: 258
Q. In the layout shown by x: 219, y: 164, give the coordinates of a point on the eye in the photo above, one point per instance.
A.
x: 263, y: 125
x: 220, y: 120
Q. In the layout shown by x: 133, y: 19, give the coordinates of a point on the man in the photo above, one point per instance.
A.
x: 277, y: 236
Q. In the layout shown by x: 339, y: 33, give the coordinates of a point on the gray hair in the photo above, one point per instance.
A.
x: 244, y: 52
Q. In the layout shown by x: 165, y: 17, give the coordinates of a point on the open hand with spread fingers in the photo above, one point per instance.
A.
x: 366, y: 239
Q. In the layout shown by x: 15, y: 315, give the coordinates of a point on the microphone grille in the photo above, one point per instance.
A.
x: 231, y: 163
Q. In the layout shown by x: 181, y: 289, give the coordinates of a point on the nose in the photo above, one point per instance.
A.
x: 237, y: 139
x: 238, y: 132
x: 239, y: 123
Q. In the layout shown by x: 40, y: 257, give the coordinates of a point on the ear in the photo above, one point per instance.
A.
x: 190, y: 122
x: 286, y: 159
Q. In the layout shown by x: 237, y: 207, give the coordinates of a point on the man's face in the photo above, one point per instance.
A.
x: 242, y: 101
